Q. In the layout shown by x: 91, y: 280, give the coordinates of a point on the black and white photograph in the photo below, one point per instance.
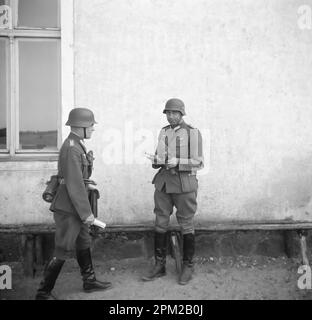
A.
x: 155, y: 150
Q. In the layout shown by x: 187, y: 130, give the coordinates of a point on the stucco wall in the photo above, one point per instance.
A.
x: 244, y: 71
x: 21, y: 187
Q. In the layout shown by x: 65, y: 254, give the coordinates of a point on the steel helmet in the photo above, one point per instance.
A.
x: 175, y: 105
x: 81, y: 117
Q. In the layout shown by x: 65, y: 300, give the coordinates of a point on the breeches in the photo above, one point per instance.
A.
x: 70, y: 235
x: 186, y: 205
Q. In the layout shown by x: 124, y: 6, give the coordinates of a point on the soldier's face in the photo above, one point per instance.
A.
x: 89, y: 131
x: 174, y: 117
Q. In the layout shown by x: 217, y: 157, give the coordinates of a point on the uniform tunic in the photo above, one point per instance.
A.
x: 71, y: 204
x: 177, y: 187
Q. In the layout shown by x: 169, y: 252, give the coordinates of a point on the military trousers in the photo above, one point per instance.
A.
x: 70, y: 235
x: 186, y: 205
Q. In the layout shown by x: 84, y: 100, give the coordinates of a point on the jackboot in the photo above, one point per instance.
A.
x: 188, y: 255
x: 160, y: 251
x: 90, y: 283
x: 50, y: 274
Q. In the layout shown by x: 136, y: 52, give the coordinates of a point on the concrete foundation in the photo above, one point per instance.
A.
x: 124, y: 245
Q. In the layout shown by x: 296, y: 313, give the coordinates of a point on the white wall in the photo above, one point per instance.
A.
x: 244, y: 70
x: 21, y: 187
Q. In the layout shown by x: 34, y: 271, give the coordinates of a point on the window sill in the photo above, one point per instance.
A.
x: 28, y: 157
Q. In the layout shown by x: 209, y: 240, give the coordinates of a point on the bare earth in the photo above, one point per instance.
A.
x: 258, y: 278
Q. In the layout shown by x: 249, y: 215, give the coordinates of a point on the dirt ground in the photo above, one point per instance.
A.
x: 256, y: 278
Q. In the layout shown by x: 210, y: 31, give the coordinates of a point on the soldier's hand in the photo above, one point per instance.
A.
x: 173, y: 162
x: 90, y: 156
x: 150, y: 156
x: 89, y: 220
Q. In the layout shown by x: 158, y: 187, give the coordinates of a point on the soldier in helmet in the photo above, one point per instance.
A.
x: 178, y: 156
x: 71, y: 207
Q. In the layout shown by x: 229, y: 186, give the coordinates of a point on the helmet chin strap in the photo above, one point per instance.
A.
x: 85, y: 133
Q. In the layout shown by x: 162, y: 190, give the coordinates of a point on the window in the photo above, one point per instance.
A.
x: 30, y: 77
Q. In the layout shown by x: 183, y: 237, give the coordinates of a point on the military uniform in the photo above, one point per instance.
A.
x: 71, y: 204
x: 178, y: 186
x: 72, y: 209
x: 179, y: 145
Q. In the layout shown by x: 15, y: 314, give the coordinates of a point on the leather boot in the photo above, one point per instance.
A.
x: 188, y: 254
x: 90, y: 283
x: 160, y: 248
x: 51, y: 272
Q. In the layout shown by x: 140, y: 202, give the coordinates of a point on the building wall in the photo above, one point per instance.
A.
x: 243, y: 69
x: 21, y: 187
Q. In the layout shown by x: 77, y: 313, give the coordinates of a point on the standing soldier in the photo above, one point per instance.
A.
x: 179, y: 155
x: 71, y: 207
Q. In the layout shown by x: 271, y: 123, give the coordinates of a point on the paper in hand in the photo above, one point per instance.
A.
x: 99, y: 223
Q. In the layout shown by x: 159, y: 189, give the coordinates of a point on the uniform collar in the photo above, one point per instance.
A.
x: 83, y: 145
x: 179, y: 126
x: 75, y: 137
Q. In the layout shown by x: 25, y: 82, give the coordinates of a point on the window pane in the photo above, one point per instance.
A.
x: 38, y: 13
x: 39, y: 93
x: 3, y: 92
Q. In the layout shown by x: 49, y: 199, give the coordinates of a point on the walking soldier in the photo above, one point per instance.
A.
x: 72, y: 211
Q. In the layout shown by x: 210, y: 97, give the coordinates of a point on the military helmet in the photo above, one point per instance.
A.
x: 175, y: 105
x: 81, y: 117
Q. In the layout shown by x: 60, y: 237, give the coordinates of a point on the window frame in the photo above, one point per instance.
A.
x: 7, y: 111
x: 12, y: 151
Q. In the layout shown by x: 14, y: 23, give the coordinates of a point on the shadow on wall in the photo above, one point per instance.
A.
x: 288, y: 193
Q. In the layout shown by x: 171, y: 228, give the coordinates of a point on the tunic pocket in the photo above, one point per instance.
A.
x: 189, y: 182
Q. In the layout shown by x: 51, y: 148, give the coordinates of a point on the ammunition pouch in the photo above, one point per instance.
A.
x: 51, y: 189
